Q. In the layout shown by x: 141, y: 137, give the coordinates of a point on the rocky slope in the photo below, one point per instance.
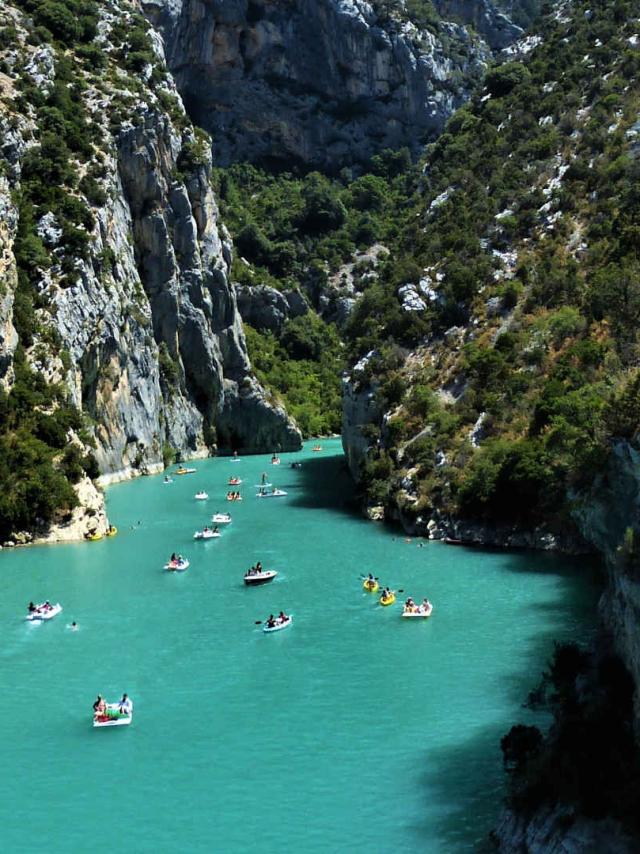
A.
x: 111, y: 249
x: 322, y: 82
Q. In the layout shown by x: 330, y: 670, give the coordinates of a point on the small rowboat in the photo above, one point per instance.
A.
x: 221, y: 518
x: 253, y: 579
x: 115, y: 715
x: 43, y: 613
x: 279, y: 625
x: 206, y: 535
x: 419, y: 613
x: 177, y: 565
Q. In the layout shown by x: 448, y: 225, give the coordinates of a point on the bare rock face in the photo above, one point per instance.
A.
x: 326, y: 82
x: 267, y: 309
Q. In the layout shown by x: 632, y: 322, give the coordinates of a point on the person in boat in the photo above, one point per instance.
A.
x: 47, y: 606
x: 32, y: 608
x: 174, y: 557
x: 371, y: 580
x: 426, y: 605
x: 386, y: 593
x: 271, y: 621
x: 99, y: 707
x: 124, y: 706
x: 282, y: 617
x: 215, y: 530
x: 259, y: 567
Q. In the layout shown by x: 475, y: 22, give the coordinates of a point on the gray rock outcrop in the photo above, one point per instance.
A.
x: 267, y: 309
x: 323, y: 82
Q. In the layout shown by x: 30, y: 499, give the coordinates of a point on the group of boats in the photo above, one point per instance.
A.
x: 411, y: 609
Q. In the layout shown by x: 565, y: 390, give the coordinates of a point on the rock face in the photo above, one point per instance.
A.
x: 326, y: 82
x: 267, y: 309
x: 141, y: 323
x: 359, y: 410
x: 494, y: 26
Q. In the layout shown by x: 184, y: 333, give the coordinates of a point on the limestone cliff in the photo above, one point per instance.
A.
x: 124, y: 295
x: 323, y: 82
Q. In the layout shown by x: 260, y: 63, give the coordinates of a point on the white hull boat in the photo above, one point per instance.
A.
x: 41, y: 613
x: 114, y: 716
x: 418, y: 614
x: 201, y: 496
x: 221, y: 518
x: 206, y: 535
x: 234, y: 481
x: 279, y: 625
x: 256, y: 578
x: 177, y: 565
x: 275, y: 493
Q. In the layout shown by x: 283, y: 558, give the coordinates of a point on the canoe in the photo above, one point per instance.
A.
x: 389, y: 600
x: 372, y: 587
x: 201, y: 496
x: 221, y: 518
x: 39, y: 615
x: 260, y: 577
x: 275, y: 493
x: 419, y: 614
x: 177, y: 566
x: 206, y: 535
x: 114, y: 717
x: 278, y: 626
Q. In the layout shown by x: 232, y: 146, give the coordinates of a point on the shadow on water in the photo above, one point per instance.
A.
x: 325, y: 482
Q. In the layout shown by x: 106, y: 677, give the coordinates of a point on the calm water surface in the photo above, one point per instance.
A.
x: 351, y: 731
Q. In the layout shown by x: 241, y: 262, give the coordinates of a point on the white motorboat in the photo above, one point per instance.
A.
x: 201, y: 496
x: 177, y: 565
x: 221, y: 518
x: 256, y: 578
x: 44, y: 611
x: 273, y: 493
x: 206, y: 534
x: 115, y: 714
x: 278, y: 625
x: 420, y: 612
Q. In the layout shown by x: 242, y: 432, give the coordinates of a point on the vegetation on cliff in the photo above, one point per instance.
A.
x: 515, y: 286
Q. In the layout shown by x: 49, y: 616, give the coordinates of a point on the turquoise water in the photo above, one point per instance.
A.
x: 353, y: 730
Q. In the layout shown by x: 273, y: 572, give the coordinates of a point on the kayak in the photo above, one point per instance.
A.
x: 371, y: 586
x: 279, y: 625
x: 111, y: 531
x: 95, y: 536
x: 275, y: 493
x: 419, y: 613
x: 177, y: 565
x: 184, y: 471
x: 115, y: 715
x: 256, y: 578
x: 221, y: 518
x: 206, y: 535
x: 389, y: 600
x: 41, y: 614
x: 201, y: 496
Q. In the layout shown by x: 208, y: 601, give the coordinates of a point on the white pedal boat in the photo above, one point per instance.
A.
x: 280, y: 624
x: 177, y: 565
x: 206, y: 535
x: 275, y: 493
x: 255, y: 578
x: 201, y: 496
x: 275, y: 462
x: 234, y: 481
x: 42, y: 613
x: 115, y: 717
x: 221, y: 518
x: 419, y: 614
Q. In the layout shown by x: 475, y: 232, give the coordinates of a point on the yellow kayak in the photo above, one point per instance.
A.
x: 95, y: 536
x: 389, y: 600
x: 371, y: 586
x: 111, y: 531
